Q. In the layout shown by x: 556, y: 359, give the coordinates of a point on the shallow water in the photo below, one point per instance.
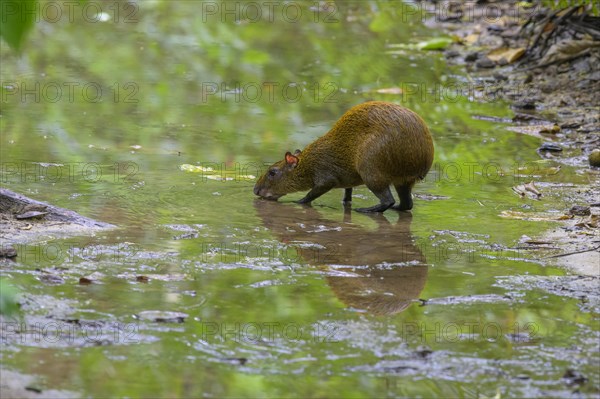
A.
x: 279, y: 300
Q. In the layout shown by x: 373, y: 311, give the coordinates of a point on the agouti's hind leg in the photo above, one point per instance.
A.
x: 404, y: 196
x: 347, y: 195
x: 384, y: 195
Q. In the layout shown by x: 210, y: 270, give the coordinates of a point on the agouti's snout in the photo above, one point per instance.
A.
x: 376, y: 143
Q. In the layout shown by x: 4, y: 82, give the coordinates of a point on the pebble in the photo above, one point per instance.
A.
x: 594, y: 158
x: 472, y: 56
x: 550, y: 147
x: 485, y: 63
x: 524, y: 104
x: 7, y: 251
x: 451, y: 53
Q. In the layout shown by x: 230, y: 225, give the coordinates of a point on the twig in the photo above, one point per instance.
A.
x: 558, y: 61
x: 557, y: 26
x: 573, y: 253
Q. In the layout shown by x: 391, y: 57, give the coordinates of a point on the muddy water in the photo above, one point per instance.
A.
x: 274, y: 299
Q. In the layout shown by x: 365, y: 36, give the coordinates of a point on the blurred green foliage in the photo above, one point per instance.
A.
x: 8, y: 301
x: 16, y: 20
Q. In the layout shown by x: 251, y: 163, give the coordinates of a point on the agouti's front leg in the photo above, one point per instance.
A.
x: 313, y: 194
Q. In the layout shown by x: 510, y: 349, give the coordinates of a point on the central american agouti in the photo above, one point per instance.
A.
x: 376, y: 143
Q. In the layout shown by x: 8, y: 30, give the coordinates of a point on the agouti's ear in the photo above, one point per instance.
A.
x: 291, y: 160
x: 297, y: 152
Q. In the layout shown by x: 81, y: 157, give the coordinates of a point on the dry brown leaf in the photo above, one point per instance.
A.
x: 527, y: 189
x: 509, y: 54
x: 550, y: 129
x: 532, y: 189
x: 591, y: 222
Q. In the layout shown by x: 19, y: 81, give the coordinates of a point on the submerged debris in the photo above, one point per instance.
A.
x: 162, y: 316
x: 579, y: 210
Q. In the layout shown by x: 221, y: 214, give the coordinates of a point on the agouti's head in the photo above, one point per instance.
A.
x: 281, y: 178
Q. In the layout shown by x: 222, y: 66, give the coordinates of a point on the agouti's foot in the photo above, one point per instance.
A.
x: 401, y: 207
x: 376, y: 208
x: 303, y: 202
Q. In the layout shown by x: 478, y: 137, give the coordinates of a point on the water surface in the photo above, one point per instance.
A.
x: 281, y: 300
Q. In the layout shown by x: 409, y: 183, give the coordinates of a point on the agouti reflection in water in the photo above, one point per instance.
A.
x: 381, y: 272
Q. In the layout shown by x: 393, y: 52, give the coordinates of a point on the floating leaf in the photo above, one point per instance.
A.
x: 438, y: 43
x: 390, y: 90
x: 194, y: 168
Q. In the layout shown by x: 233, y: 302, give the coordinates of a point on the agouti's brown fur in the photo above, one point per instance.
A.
x: 376, y: 143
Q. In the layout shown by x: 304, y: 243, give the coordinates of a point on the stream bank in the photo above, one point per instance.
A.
x: 546, y: 64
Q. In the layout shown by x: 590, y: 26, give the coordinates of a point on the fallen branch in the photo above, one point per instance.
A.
x: 573, y: 253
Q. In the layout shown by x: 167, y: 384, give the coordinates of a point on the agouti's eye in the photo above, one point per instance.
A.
x: 272, y: 173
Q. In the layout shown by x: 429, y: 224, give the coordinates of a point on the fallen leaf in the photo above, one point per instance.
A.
x: 531, y: 188
x: 509, y: 54
x: 438, y: 43
x: 591, y: 222
x: 550, y: 129
x: 527, y: 189
x: 471, y: 39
